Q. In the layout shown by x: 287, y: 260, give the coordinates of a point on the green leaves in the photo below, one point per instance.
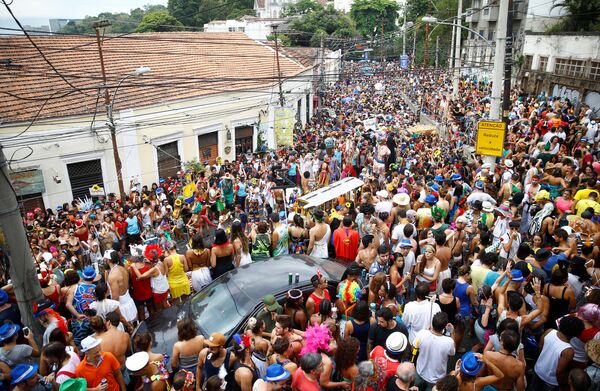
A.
x: 159, y: 21
x: 371, y: 16
x: 318, y: 22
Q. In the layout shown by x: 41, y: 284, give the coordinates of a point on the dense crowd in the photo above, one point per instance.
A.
x: 460, y: 274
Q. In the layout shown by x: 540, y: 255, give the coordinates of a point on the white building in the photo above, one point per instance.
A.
x: 208, y: 95
x: 565, y: 65
x: 253, y: 27
x: 343, y: 5
x: 271, y: 8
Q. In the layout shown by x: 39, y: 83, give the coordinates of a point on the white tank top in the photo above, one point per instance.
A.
x: 547, y: 363
x: 320, y: 246
x: 159, y: 284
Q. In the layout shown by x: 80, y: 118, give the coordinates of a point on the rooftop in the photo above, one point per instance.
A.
x: 184, y: 65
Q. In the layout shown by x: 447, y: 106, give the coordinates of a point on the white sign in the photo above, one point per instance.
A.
x: 370, y: 124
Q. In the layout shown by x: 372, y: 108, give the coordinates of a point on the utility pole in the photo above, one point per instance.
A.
x: 281, y: 100
x: 404, y: 32
x: 109, y: 110
x: 321, y: 80
x: 426, y: 44
x: 13, y: 241
x: 414, y: 47
x: 437, y: 51
x: 508, y: 62
x: 457, y: 59
x: 382, y: 43
x: 451, y: 62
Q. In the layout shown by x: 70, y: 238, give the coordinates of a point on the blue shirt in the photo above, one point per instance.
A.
x: 133, y: 228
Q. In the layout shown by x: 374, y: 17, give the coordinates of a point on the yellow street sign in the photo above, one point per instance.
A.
x: 490, y: 138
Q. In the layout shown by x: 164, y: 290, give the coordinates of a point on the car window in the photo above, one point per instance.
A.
x: 219, y: 308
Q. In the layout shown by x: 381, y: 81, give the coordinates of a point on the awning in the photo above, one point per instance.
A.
x: 328, y: 193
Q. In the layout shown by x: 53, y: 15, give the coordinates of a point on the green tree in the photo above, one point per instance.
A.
x: 581, y: 15
x: 371, y: 16
x: 416, y: 9
x: 184, y: 10
x: 302, y: 7
x: 159, y: 21
x: 320, y: 22
x: 198, y: 12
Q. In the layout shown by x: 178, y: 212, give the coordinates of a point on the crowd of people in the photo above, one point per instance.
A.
x: 461, y: 273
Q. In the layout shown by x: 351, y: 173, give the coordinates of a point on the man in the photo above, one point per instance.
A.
x: 24, y: 377
x: 363, y: 219
x: 479, y: 194
x: 118, y: 282
x: 279, y: 237
x: 320, y: 293
x: 139, y: 365
x: 388, y: 359
x: 386, y: 325
x: 113, y: 340
x: 79, y: 299
x: 384, y: 204
x: 405, y: 248
x: 589, y: 202
x: 306, y: 378
x: 552, y: 367
x: 284, y: 328
x: 444, y: 254
x: 212, y: 359
x: 12, y: 353
x: 434, y: 350
x: 274, y: 379
x: 507, y: 174
x: 405, y: 376
x: 366, y: 257
x: 480, y: 272
x: 98, y: 366
x: 511, y: 241
x: 382, y: 262
x: 271, y: 310
x: 417, y: 314
x: 346, y: 240
x: 512, y: 367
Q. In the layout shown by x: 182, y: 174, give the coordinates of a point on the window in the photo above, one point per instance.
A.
x: 232, y: 29
x: 527, y: 62
x: 472, y: 35
x: 573, y: 68
x: 543, y: 64
x: 208, y: 145
x: 241, y: 29
x: 595, y: 70
x: 169, y: 161
x: 481, y: 33
x: 486, y: 11
x: 243, y: 139
x: 84, y: 175
x: 490, y: 36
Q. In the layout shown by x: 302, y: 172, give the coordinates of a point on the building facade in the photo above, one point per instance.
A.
x: 253, y: 27
x: 566, y: 65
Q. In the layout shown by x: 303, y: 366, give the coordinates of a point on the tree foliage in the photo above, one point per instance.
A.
x: 315, y: 21
x: 120, y: 22
x: 371, y: 16
x: 159, y: 21
x: 198, y: 12
x: 581, y: 15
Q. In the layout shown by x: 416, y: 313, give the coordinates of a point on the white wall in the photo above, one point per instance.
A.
x: 576, y: 47
x: 254, y: 30
x: 540, y: 15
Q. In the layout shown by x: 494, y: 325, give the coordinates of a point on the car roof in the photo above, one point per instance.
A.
x: 252, y: 278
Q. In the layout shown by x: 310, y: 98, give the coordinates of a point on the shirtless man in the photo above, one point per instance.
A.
x: 366, y: 256
x: 512, y: 367
x: 118, y: 283
x: 114, y: 341
x: 455, y: 242
x: 442, y: 253
x: 283, y: 328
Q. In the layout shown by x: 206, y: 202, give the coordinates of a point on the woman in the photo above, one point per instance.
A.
x: 179, y: 285
x: 450, y: 304
x: 240, y: 244
x: 376, y: 289
x: 55, y: 354
x: 261, y: 241
x: 578, y: 275
x: 70, y: 283
x: 50, y: 289
x: 199, y: 258
x: 428, y: 268
x: 389, y: 297
x: 158, y: 279
x: 590, y: 316
x: 487, y: 315
x: 103, y: 305
x: 564, y: 203
x: 142, y: 342
x: 188, y: 346
x: 298, y: 235
x: 244, y: 370
x: 358, y: 327
x: 221, y: 256
x: 345, y: 359
x: 324, y: 313
x: 560, y: 296
x: 398, y: 277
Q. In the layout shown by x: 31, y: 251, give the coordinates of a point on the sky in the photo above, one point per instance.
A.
x: 37, y: 12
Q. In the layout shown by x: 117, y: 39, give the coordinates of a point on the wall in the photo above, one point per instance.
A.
x: 578, y: 47
x: 254, y: 30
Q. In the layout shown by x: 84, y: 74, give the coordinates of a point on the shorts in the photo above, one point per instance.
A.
x: 160, y: 297
x: 143, y: 302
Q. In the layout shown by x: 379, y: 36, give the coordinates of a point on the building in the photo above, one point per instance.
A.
x: 253, y: 27
x: 207, y: 95
x: 271, y: 8
x: 478, y: 50
x: 565, y: 65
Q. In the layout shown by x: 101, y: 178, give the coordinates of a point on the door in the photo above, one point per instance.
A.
x: 208, y: 147
x: 84, y: 175
x: 169, y: 161
x: 243, y: 139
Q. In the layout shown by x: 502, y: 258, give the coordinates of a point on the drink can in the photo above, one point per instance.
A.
x: 297, y: 278
x: 290, y: 278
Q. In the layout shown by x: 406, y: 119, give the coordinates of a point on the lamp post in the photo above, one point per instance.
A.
x: 110, y: 101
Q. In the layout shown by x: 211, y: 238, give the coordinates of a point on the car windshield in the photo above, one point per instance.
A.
x: 220, y: 307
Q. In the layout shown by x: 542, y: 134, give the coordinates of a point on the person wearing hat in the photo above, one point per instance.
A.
x: 508, y: 172
x: 388, y: 358
x: 468, y: 368
x: 154, y: 374
x: 503, y: 217
x: 384, y: 204
x: 79, y: 299
x: 99, y: 366
x: 9, y: 312
x: 274, y: 380
x: 213, y: 358
x: 24, y: 377
x: 294, y: 307
x: 13, y: 353
x: 478, y: 194
x: 270, y: 311
x: 424, y: 217
x: 592, y: 348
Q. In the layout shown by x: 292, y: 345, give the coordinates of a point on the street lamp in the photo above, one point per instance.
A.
x: 111, y: 122
x: 434, y: 20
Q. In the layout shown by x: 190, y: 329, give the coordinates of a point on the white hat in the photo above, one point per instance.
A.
x: 107, y: 254
x: 137, y: 361
x: 487, y: 206
x: 291, y: 216
x: 396, y: 343
x: 508, y: 163
x: 382, y: 194
x: 47, y: 256
x: 486, y: 166
x: 89, y: 342
x: 401, y: 199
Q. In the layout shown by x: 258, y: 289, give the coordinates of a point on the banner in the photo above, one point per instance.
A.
x: 283, y: 126
x: 370, y: 123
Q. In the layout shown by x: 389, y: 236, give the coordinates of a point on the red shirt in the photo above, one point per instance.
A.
x: 386, y: 365
x: 300, y: 382
x: 121, y: 226
x: 142, y: 289
x: 346, y: 241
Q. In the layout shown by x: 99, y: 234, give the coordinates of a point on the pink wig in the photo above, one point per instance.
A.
x: 590, y: 313
x: 317, y: 339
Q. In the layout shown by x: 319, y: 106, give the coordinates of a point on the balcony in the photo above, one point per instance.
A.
x: 519, y: 10
x: 490, y: 14
x: 472, y: 15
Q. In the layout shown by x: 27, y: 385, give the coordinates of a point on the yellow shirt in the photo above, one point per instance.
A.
x: 587, y: 203
x: 583, y: 194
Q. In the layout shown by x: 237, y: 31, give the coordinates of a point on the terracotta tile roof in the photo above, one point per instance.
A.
x: 304, y: 55
x: 184, y: 65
